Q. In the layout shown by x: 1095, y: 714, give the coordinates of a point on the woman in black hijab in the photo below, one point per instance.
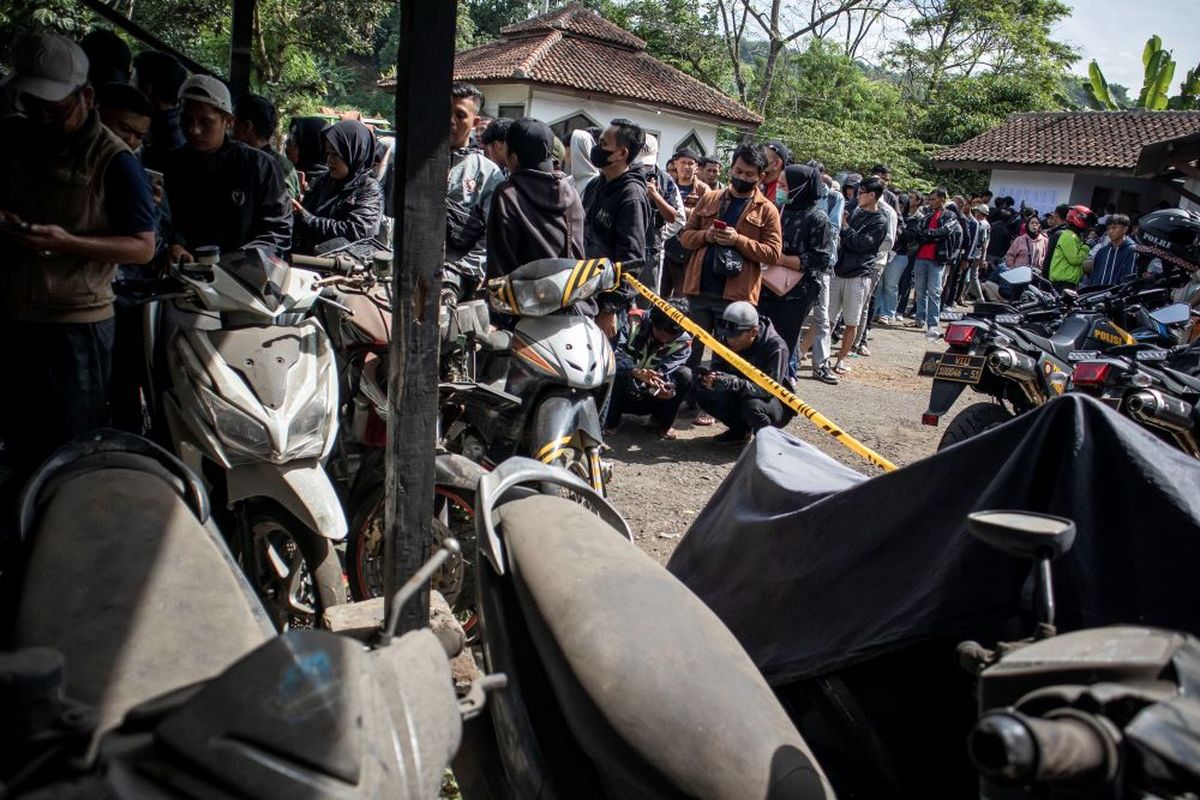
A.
x: 807, y: 249
x: 347, y: 201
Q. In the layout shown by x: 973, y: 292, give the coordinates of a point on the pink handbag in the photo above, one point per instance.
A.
x: 779, y: 279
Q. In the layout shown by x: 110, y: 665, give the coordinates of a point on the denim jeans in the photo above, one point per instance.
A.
x: 888, y: 291
x: 927, y: 287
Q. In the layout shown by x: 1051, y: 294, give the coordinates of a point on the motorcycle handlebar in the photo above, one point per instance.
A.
x: 338, y: 264
x: 1072, y: 748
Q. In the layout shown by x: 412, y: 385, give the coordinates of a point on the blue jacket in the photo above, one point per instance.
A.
x: 1113, y: 265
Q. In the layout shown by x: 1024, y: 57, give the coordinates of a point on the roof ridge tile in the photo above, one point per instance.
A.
x: 526, y: 67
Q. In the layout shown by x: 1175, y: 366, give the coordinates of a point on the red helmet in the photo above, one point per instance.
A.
x: 1077, y: 217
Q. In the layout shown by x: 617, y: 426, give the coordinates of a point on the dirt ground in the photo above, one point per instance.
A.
x: 660, y: 486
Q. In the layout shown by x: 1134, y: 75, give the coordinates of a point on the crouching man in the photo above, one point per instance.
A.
x: 651, y: 376
x: 736, y: 401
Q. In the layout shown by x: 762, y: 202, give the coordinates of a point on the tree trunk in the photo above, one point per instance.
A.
x: 764, y: 89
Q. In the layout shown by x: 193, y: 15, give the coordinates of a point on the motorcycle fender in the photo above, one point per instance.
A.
x: 451, y: 469
x: 301, y: 487
x: 942, y: 396
x: 556, y: 419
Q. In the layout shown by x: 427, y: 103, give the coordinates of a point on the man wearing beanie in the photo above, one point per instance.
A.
x: 74, y: 203
x: 536, y: 213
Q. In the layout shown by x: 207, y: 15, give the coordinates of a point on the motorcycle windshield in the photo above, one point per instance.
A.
x: 260, y: 272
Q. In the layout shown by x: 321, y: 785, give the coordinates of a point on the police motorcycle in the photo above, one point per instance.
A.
x: 250, y: 404
x: 1020, y: 355
x: 621, y: 683
x: 1105, y: 712
x: 144, y: 664
x: 1156, y: 387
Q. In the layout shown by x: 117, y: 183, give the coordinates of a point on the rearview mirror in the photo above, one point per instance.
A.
x: 1175, y: 314
x: 1023, y: 534
x: 1018, y: 275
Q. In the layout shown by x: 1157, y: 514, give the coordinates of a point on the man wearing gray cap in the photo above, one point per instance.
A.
x: 74, y: 203
x: 742, y: 405
x: 222, y: 192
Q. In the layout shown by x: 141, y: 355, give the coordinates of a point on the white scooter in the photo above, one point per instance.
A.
x: 251, y: 405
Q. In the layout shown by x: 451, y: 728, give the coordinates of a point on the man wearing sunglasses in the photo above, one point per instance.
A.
x: 742, y: 405
x: 74, y: 203
x: 651, y: 374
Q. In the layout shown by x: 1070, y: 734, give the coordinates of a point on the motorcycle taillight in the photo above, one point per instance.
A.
x: 1091, y: 373
x: 960, y: 335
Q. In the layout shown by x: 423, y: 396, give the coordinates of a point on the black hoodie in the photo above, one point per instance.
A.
x: 619, y: 219
x: 534, y: 215
x: 769, y: 354
x: 806, y: 230
x: 350, y: 208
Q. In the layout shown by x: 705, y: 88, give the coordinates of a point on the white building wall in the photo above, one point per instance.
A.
x: 671, y: 127
x: 1140, y: 195
x: 1040, y: 190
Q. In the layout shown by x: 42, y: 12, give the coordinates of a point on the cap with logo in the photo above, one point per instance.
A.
x: 207, y: 89
x: 47, y: 66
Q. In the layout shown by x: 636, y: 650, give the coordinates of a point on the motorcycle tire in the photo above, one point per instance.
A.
x: 972, y: 421
x: 321, y: 582
x: 364, y: 547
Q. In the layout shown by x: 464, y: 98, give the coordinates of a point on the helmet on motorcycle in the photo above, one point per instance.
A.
x: 1077, y: 217
x: 1174, y: 230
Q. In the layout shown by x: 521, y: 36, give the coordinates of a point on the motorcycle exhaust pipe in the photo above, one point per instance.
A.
x: 1152, y: 407
x: 1010, y: 364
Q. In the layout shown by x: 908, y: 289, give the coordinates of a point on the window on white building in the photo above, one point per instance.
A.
x: 510, y: 111
x: 565, y: 127
x: 692, y: 141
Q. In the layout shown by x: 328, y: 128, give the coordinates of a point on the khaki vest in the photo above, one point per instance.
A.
x: 60, y: 186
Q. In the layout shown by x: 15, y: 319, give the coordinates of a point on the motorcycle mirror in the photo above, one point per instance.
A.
x: 1175, y: 314
x: 1023, y: 534
x: 1040, y: 538
x: 1018, y: 275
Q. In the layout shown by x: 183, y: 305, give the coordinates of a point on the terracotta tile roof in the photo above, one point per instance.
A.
x: 1109, y: 140
x: 574, y: 48
x: 577, y: 21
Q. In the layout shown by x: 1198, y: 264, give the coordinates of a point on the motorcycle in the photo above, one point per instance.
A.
x: 251, y: 405
x: 606, y: 696
x: 359, y: 322
x: 555, y: 362
x: 1019, y: 355
x: 1148, y: 385
x: 146, y: 666
x: 1101, y: 712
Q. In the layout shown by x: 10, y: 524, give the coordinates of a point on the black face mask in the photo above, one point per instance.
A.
x: 741, y: 185
x: 599, y: 156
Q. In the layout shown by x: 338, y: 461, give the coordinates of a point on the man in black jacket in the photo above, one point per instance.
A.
x: 858, y: 251
x: 221, y: 192
x: 536, y: 213
x: 618, y: 212
x: 742, y: 405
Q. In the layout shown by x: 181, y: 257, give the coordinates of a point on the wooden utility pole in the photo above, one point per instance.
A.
x: 424, y: 69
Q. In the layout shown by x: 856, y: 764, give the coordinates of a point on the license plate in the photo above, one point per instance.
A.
x: 952, y: 367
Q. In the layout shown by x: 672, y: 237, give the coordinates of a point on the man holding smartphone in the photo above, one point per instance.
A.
x: 731, y: 233
x: 75, y: 203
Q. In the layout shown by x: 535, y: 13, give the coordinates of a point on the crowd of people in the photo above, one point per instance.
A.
x: 129, y: 163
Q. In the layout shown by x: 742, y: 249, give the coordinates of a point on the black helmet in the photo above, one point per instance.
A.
x: 1174, y: 230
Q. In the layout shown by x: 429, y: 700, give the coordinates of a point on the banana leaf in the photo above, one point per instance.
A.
x: 1099, y: 87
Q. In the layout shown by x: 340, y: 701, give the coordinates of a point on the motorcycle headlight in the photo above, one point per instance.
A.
x: 306, y: 433
x: 236, y: 429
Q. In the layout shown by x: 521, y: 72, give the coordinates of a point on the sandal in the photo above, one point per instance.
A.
x: 704, y: 419
x: 667, y: 433
x: 841, y: 367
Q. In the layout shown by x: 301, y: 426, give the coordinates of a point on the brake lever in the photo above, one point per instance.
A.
x: 349, y: 312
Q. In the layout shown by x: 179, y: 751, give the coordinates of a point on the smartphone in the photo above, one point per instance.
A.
x: 720, y: 224
x: 14, y: 226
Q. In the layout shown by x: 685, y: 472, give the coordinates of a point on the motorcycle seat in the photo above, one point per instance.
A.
x: 138, y: 595
x: 654, y: 687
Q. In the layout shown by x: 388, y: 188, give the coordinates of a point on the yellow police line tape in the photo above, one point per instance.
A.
x: 761, y: 379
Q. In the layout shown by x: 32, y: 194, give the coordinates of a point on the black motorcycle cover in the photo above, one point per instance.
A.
x: 814, y: 568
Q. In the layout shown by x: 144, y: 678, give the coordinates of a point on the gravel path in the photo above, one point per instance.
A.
x: 660, y: 486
